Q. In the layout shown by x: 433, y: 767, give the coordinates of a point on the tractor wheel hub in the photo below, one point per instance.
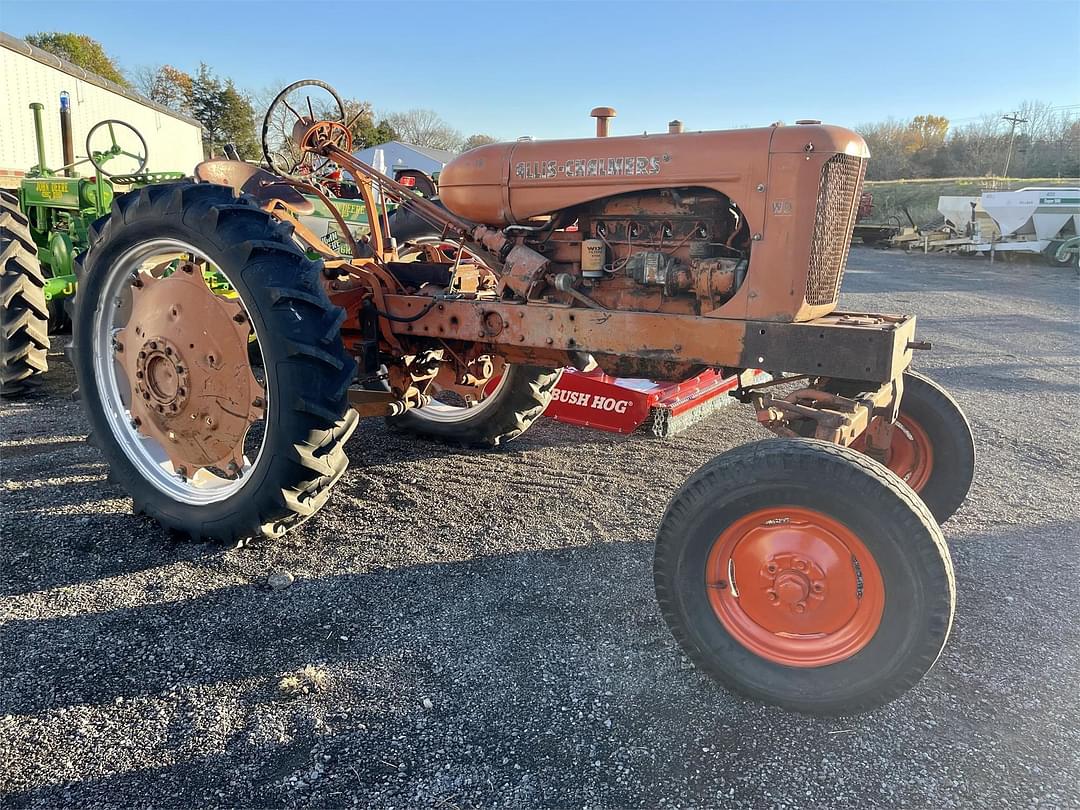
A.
x: 795, y: 586
x: 184, y: 350
x: 792, y: 582
x: 162, y: 379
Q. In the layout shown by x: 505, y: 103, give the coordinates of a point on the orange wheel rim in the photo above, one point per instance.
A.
x: 795, y: 587
x: 910, y: 454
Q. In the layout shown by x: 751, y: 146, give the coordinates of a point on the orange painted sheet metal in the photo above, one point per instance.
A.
x: 508, y: 183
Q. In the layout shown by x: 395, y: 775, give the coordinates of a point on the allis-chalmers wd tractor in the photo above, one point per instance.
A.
x: 804, y: 570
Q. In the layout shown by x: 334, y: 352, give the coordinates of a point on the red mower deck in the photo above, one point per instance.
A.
x: 622, y: 405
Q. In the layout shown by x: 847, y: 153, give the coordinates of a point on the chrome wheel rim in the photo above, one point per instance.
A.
x: 203, y: 486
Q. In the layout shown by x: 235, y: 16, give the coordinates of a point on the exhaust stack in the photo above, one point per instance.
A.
x: 602, y: 116
x: 65, y: 132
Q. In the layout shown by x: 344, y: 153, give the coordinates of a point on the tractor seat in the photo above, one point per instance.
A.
x: 256, y: 182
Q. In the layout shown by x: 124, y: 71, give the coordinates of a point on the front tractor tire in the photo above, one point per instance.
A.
x: 24, y: 313
x: 209, y: 444
x: 932, y: 448
x: 805, y: 575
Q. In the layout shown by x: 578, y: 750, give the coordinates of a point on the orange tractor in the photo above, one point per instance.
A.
x: 807, y: 570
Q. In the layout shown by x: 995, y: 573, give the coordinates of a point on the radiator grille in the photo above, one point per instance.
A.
x: 841, y: 181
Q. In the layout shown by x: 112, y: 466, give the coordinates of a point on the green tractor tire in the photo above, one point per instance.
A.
x: 24, y: 315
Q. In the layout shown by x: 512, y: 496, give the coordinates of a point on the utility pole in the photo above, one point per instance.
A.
x: 1013, y: 119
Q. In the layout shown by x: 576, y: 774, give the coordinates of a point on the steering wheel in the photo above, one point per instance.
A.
x: 117, y: 147
x: 310, y: 101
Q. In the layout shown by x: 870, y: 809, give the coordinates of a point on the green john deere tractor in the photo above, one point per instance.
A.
x: 43, y: 231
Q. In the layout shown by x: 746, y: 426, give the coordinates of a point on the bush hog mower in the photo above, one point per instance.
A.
x: 804, y: 571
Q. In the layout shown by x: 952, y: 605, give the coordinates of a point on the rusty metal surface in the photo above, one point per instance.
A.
x: 841, y: 178
x: 184, y: 351
x: 828, y: 347
x: 720, y: 249
x: 259, y: 183
x: 833, y: 418
x: 773, y: 175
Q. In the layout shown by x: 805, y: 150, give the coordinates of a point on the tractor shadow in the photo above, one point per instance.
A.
x: 504, y: 644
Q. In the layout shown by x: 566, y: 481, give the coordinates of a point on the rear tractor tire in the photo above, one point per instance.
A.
x: 206, y: 442
x: 806, y: 575
x: 518, y: 400
x: 24, y: 313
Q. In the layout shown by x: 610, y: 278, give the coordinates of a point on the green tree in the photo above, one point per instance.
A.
x: 361, y: 120
x: 225, y: 113
x: 80, y: 50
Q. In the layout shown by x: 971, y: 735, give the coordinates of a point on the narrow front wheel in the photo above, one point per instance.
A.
x: 806, y: 575
x: 932, y: 448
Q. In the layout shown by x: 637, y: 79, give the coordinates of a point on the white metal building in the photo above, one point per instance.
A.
x: 29, y: 74
x: 400, y: 155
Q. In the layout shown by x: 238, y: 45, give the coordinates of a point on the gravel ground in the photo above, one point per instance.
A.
x: 449, y: 645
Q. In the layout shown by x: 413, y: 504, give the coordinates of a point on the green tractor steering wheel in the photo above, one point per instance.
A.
x: 113, y: 148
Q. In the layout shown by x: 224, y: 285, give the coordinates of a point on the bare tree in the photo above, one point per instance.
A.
x: 142, y: 78
x: 474, y: 141
x: 164, y: 84
x: 1045, y: 145
x: 425, y: 128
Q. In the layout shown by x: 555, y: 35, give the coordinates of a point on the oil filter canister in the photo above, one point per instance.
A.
x: 593, y: 253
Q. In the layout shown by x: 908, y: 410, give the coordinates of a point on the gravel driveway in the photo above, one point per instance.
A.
x: 478, y: 629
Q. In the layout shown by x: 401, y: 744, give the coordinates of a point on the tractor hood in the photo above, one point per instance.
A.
x: 509, y: 183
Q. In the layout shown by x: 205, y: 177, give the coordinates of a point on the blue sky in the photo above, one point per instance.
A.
x: 537, y: 68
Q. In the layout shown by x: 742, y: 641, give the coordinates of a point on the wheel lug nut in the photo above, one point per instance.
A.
x: 800, y: 607
x: 818, y: 587
x: 772, y: 595
x: 258, y: 402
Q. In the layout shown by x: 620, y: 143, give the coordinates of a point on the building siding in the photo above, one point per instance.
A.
x: 173, y: 143
x: 400, y: 155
